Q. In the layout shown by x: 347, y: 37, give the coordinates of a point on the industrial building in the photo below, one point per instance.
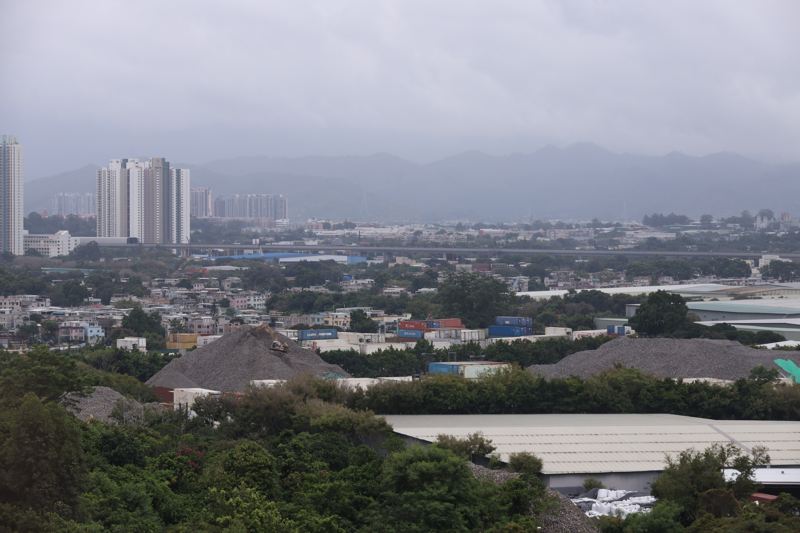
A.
x: 746, y: 309
x: 624, y: 451
x: 704, y: 291
x: 58, y: 244
x: 467, y: 369
x: 789, y: 328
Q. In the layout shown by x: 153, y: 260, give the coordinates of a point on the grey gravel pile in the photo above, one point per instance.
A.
x: 565, y: 517
x: 232, y: 361
x: 104, y: 405
x: 665, y: 358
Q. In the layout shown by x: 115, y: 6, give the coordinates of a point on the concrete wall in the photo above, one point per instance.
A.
x: 639, y: 481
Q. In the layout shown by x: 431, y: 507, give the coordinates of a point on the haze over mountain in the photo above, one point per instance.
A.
x: 578, y: 181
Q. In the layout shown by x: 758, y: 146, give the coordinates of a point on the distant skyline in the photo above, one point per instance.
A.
x: 421, y: 80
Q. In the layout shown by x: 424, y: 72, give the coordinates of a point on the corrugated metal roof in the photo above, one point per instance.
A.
x: 766, y: 306
x: 586, y: 444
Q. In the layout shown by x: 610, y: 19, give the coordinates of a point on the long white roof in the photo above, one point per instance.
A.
x: 633, y: 290
x: 586, y: 444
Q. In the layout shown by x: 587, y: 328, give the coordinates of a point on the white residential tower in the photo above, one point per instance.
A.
x: 11, y: 196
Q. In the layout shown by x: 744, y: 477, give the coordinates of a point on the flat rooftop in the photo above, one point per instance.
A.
x: 594, y: 444
x: 783, y: 306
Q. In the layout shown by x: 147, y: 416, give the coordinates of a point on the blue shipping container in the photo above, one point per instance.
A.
x: 611, y: 330
x: 509, y: 331
x: 442, y: 368
x: 410, y: 333
x: 433, y: 324
x: 317, y: 334
x: 621, y: 330
x: 523, y: 321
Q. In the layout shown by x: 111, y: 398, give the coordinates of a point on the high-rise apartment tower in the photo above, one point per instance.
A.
x: 143, y: 199
x: 11, y: 195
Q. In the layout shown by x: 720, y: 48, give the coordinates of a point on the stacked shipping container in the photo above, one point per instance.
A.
x: 317, y: 334
x: 511, y: 326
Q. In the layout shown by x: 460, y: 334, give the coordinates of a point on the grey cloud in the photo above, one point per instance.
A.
x: 196, y: 80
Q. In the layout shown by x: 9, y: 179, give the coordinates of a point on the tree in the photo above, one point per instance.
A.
x: 663, y: 518
x: 248, y: 463
x: 657, y: 220
x: 141, y: 323
x: 177, y: 325
x: 360, y: 322
x: 474, y: 445
x: 41, y: 460
x: 525, y: 463
x: 86, y: 252
x: 42, y: 372
x: 145, y: 325
x: 663, y: 313
x: 430, y: 489
x: 475, y: 298
x: 706, y: 220
x: 71, y: 293
x: 29, y: 332
x: 691, y: 474
x: 767, y: 214
x: 783, y: 271
x: 262, y: 277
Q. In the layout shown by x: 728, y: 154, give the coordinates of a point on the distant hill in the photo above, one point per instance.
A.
x: 39, y: 193
x: 578, y: 181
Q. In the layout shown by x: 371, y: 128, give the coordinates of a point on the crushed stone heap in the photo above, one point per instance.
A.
x: 232, y: 361
x: 666, y: 358
x: 103, y: 404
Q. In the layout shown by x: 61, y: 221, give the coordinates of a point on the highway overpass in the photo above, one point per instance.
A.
x: 233, y: 249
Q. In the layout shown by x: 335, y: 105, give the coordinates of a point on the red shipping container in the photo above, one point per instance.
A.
x: 413, y: 324
x: 451, y: 323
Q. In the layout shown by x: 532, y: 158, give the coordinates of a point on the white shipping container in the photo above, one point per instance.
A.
x: 478, y: 371
x: 588, y: 333
x: 289, y: 333
x: 443, y: 334
x: 472, y: 335
x: 185, y: 398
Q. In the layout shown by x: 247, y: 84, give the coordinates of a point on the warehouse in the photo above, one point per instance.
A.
x: 623, y: 451
x: 789, y: 328
x: 746, y: 309
x: 698, y: 291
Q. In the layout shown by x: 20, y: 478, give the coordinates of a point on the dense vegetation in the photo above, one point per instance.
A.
x: 618, y: 391
x: 75, y: 225
x: 309, y: 456
x: 694, y: 496
x: 394, y: 362
x: 272, y: 460
x: 666, y: 315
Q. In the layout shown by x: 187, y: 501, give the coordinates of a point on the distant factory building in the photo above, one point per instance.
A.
x: 58, y: 244
x: 624, y: 451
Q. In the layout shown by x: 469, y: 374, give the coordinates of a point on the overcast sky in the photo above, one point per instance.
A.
x: 85, y: 81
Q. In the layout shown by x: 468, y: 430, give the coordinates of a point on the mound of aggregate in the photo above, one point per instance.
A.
x: 232, y: 361
x: 563, y: 517
x: 665, y: 358
x: 103, y: 404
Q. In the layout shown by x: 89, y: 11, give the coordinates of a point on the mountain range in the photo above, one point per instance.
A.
x: 578, y: 181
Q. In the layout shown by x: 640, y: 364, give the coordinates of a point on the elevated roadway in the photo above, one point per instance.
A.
x: 234, y: 249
